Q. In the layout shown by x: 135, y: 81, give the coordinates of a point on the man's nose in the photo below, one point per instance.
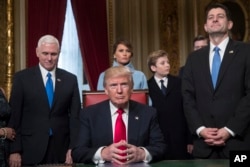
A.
x: 215, y: 19
x: 49, y: 56
x: 119, y: 88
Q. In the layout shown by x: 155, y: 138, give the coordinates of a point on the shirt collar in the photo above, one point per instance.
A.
x: 45, y: 72
x: 113, y: 108
x: 222, y: 45
x: 159, y: 79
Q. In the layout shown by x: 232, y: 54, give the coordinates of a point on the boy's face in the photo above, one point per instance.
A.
x: 162, y: 67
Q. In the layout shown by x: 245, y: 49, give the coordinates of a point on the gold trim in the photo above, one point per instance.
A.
x: 9, y: 61
x: 110, y: 29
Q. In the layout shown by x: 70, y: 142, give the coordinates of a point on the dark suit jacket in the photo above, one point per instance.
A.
x: 171, y: 116
x: 96, y: 130
x: 227, y: 104
x: 32, y: 117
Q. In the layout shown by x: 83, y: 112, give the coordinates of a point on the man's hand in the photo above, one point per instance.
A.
x: 68, y: 157
x: 223, y: 135
x: 113, y: 154
x: 190, y: 148
x: 210, y: 135
x: 135, y: 154
x: 214, y: 136
x: 15, y: 160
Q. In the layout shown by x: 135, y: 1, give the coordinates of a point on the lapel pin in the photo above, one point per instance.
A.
x: 136, y: 117
x: 58, y: 79
x: 231, y: 51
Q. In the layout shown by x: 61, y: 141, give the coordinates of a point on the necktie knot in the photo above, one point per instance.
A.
x: 216, y: 49
x: 120, y: 111
x: 49, y: 75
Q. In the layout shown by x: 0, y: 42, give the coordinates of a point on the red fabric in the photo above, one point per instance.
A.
x: 44, y: 17
x: 120, y: 130
x: 91, y: 24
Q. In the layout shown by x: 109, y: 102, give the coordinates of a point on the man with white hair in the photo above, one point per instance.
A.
x: 45, y: 123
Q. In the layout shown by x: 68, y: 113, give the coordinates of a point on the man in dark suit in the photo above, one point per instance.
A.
x: 144, y: 141
x: 217, y: 111
x: 199, y: 42
x: 168, y: 103
x: 44, y: 133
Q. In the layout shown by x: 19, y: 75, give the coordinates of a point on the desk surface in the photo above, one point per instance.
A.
x: 192, y: 163
x: 166, y: 163
x: 174, y: 163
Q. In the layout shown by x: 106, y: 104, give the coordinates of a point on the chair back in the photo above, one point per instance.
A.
x: 93, y: 97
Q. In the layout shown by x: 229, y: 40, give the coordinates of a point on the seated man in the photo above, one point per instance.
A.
x: 99, y: 141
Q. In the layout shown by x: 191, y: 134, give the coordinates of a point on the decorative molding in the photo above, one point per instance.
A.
x: 7, y: 49
x: 110, y: 18
x: 169, y: 32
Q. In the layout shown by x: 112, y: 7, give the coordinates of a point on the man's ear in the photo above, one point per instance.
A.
x: 205, y: 27
x: 106, y: 91
x: 230, y: 25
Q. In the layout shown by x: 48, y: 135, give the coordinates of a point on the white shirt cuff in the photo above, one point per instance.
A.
x: 148, y: 157
x: 198, y: 131
x: 230, y: 131
x: 97, y: 159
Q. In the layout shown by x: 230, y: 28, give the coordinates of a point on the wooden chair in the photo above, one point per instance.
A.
x: 93, y: 97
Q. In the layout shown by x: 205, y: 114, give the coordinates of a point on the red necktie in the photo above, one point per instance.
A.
x: 120, y: 129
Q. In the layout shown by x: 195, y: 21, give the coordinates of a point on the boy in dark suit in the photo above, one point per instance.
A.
x: 165, y: 93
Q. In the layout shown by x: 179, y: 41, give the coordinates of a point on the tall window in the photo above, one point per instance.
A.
x: 70, y: 56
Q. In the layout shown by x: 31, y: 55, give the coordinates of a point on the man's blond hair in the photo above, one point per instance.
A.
x: 117, y: 71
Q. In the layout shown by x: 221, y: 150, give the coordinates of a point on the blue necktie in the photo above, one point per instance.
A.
x: 49, y: 89
x: 216, y: 65
x: 163, y: 88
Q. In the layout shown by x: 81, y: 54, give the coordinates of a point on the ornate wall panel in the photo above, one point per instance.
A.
x: 7, y: 44
x: 169, y: 32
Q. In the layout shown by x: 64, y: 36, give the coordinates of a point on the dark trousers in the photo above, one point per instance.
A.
x: 50, y: 156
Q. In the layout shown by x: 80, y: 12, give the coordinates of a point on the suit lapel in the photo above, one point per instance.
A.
x: 154, y: 86
x: 40, y: 85
x: 133, y: 124
x: 228, y: 57
x: 170, y: 84
x: 58, y: 86
x: 204, y: 62
x: 105, y: 115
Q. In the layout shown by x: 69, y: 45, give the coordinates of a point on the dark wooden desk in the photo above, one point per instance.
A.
x: 191, y: 163
x: 167, y: 163
x: 173, y: 163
